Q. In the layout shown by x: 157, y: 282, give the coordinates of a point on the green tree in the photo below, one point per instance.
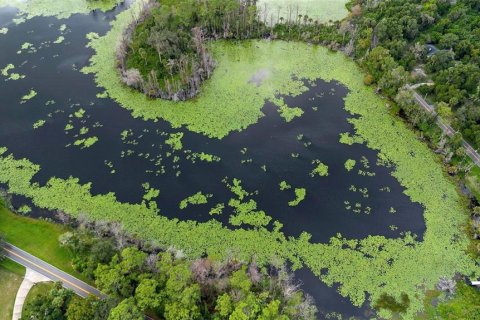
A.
x: 51, y: 306
x: 148, y: 295
x: 81, y: 309
x: 465, y: 304
x: 378, y: 62
x: 126, y: 309
x: 120, y: 277
x: 182, y: 294
x: 272, y: 312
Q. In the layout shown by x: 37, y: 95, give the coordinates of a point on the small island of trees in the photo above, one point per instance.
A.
x: 164, y: 54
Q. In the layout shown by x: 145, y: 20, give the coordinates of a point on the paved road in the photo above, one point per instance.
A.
x: 54, y: 274
x: 69, y: 282
x: 448, y: 130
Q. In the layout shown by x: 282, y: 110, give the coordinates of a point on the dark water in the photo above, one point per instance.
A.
x: 52, y: 71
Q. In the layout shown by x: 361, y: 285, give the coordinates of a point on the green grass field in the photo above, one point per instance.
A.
x: 37, y: 237
x: 11, y: 276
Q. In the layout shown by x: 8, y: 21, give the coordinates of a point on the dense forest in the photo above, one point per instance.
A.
x: 435, y: 42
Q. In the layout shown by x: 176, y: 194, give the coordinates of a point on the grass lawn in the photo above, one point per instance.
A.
x: 37, y: 237
x: 11, y: 276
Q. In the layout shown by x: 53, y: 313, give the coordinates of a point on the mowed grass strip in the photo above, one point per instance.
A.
x: 39, y: 238
x: 11, y: 276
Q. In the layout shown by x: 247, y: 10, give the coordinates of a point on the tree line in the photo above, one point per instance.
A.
x: 166, y: 285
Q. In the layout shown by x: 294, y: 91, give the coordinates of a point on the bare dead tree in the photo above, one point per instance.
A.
x: 446, y: 285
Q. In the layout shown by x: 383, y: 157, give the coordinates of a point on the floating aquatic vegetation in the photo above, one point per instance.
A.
x: 289, y: 113
x: 24, y: 209
x: 60, y: 9
x: 365, y: 162
x: 59, y: 40
x: 366, y: 165
x: 125, y: 134
x: 150, y: 193
x: 85, y: 143
x: 175, y: 141
x: 83, y: 130
x: 202, y: 156
x: 28, y: 96
x: 5, y: 70
x: 12, y: 75
x: 363, y: 191
x: 284, y: 186
x: 237, y: 189
x: 350, y: 164
x: 3, y: 30
x: 300, y: 194
x: 196, y: 199
x: 16, y: 76
x: 109, y: 164
x: 383, y: 161
x: 320, y: 170
x: 102, y: 95
x: 385, y: 189
x: 217, y: 210
x: 27, y: 47
x: 38, y: 124
x: 246, y: 213
x: 347, y: 139
x: 366, y: 173
x: 80, y: 113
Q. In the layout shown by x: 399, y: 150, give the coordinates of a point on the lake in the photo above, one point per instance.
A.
x: 365, y: 201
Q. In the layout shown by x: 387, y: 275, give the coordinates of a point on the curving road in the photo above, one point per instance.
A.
x: 448, y: 130
x: 49, y: 271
